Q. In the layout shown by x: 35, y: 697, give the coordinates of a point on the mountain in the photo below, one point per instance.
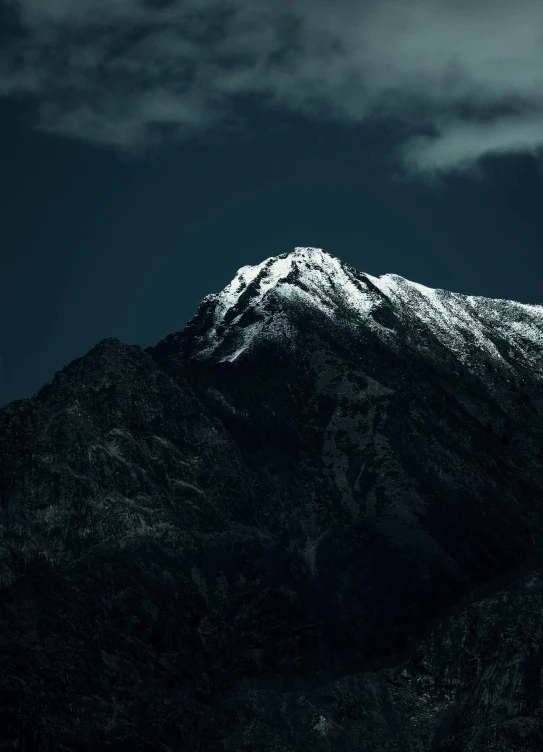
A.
x: 310, y: 520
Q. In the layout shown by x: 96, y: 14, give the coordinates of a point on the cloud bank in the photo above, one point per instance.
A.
x: 464, y: 79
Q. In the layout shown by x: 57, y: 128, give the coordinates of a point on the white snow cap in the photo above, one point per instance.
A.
x: 464, y: 324
x: 278, y: 267
x: 318, y: 269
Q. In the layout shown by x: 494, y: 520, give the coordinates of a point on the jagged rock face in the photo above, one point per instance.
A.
x: 266, y: 532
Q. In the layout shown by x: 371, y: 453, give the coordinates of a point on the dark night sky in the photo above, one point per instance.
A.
x: 97, y: 244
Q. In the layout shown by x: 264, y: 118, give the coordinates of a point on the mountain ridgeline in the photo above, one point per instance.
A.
x: 311, y: 520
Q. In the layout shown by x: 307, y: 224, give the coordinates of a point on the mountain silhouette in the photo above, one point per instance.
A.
x: 311, y: 520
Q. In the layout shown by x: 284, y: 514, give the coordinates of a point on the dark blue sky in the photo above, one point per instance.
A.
x: 96, y: 245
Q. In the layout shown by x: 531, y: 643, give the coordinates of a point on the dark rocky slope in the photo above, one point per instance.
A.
x: 311, y: 520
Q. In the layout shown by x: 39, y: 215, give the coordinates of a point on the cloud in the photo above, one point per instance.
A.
x: 458, y: 146
x: 464, y: 80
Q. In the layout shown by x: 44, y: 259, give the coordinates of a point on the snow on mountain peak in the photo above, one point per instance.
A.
x: 312, y: 270
x: 310, y: 275
x: 259, y: 301
x: 271, y: 271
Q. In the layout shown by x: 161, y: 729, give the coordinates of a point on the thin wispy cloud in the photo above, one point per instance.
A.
x: 464, y: 79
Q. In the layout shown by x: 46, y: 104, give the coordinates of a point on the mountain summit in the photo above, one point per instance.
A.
x: 311, y: 520
x: 269, y: 301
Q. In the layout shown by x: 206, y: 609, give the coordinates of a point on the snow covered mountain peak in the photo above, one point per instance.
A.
x: 306, y: 278
x: 261, y: 278
x: 308, y: 289
x: 305, y: 268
